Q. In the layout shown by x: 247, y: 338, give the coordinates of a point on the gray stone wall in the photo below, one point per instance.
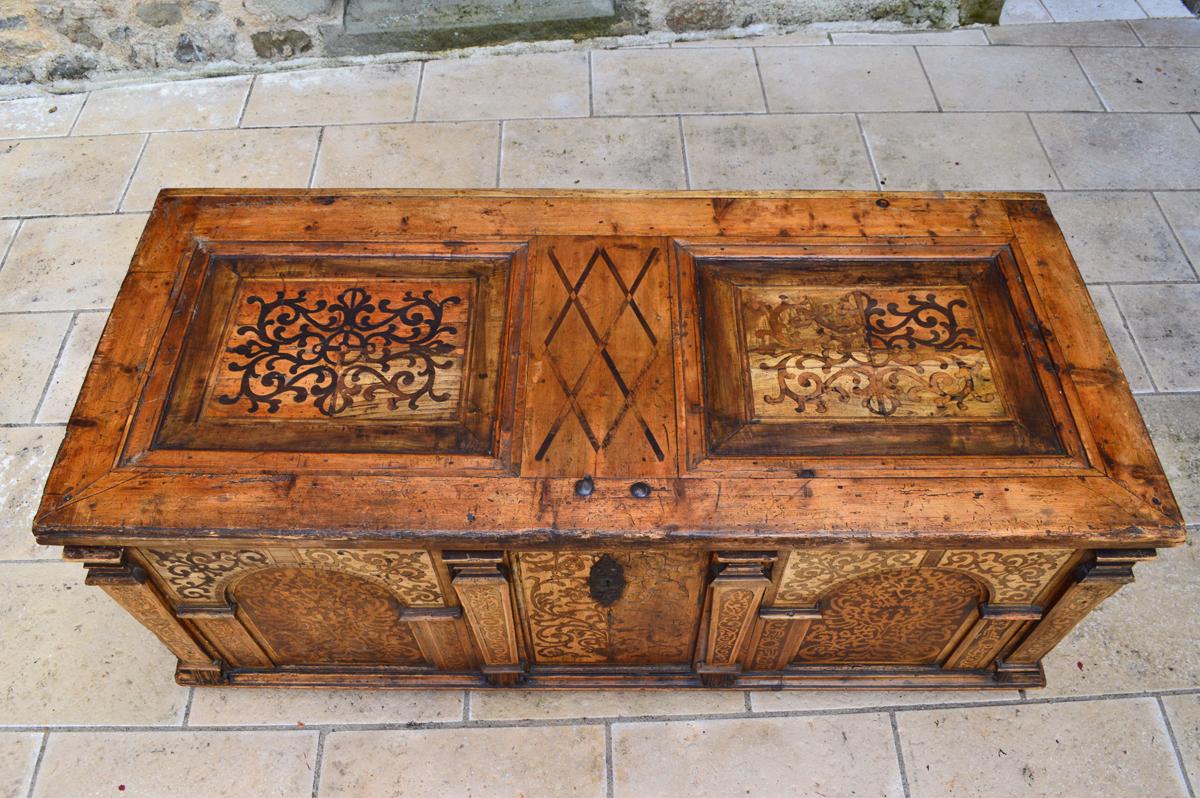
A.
x: 43, y: 41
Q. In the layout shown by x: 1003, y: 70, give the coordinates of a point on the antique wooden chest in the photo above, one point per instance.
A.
x: 560, y: 439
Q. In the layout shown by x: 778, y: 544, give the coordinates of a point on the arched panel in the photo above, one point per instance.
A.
x: 310, y: 616
x: 899, y: 617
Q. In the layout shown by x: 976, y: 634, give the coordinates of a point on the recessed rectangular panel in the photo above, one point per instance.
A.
x: 812, y: 356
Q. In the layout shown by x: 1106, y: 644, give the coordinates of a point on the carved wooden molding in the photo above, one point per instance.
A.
x: 1093, y: 583
x: 995, y: 625
x: 734, y: 599
x: 482, y: 590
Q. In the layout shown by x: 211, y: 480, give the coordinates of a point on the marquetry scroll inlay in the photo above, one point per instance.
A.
x: 1012, y: 576
x: 201, y: 575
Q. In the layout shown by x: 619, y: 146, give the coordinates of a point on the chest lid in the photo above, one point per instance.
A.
x: 524, y: 366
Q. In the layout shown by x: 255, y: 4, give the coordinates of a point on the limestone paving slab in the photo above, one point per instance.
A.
x: 277, y: 158
x: 911, y: 38
x: 1183, y: 711
x: 26, y: 454
x: 1084, y: 10
x: 1008, y: 79
x: 1129, y: 151
x: 31, y: 117
x: 426, y: 155
x: 29, y: 345
x: 822, y: 700
x: 69, y: 263
x: 1165, y: 8
x: 1168, y: 32
x: 72, y: 367
x: 777, y: 151
x: 8, y: 231
x: 967, y: 152
x: 337, y: 96
x: 593, y: 153
x: 1137, y: 639
x: 1067, y: 34
x: 761, y: 757
x: 152, y: 763
x: 1182, y: 209
x: 18, y: 757
x: 1121, y: 340
x: 886, y: 78
x: 1147, y: 79
x: 1163, y: 321
x: 675, y: 81
x: 81, y: 660
x: 1016, y: 12
x: 799, y: 38
x: 66, y: 175
x: 1109, y: 749
x: 505, y: 87
x: 559, y: 704
x: 177, y: 105
x: 529, y: 762
x: 1174, y: 423
x: 267, y: 707
x: 1119, y: 236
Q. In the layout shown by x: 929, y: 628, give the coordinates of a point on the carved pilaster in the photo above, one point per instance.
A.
x: 1093, y: 582
x: 778, y: 635
x: 734, y: 598
x: 478, y: 579
x: 441, y: 636
x: 221, y: 627
x: 111, y: 570
x: 995, y: 625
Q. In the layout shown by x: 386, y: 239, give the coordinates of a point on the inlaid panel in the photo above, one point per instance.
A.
x: 601, y: 393
x: 812, y: 355
x: 635, y: 608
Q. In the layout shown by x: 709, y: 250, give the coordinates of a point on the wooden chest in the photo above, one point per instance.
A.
x: 571, y: 439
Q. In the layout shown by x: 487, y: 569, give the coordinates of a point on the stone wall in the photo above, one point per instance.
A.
x: 44, y: 41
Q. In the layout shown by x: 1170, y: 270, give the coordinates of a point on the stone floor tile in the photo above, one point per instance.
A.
x: 819, y: 700
x: 530, y: 762
x: 1184, y: 714
x: 25, y: 457
x: 67, y: 175
x: 338, y: 96
x: 1066, y: 34
x: 1119, y: 337
x: 32, y: 117
x: 677, y: 81
x: 1138, y: 639
x: 777, y: 151
x: 8, y: 231
x: 178, y: 105
x: 1103, y: 749
x: 1163, y: 321
x: 553, y: 704
x: 1147, y: 79
x: 1016, y: 12
x: 250, y: 706
x: 1174, y: 423
x: 967, y: 152
x: 18, y: 756
x: 1168, y: 32
x: 1146, y: 151
x: 1164, y: 8
x: 279, y: 158
x: 29, y: 345
x: 910, y: 38
x: 69, y: 263
x: 72, y: 368
x: 760, y: 757
x: 592, y: 153
x: 1119, y: 237
x: 159, y: 763
x: 1008, y: 79
x: 799, y: 38
x: 844, y: 79
x: 505, y: 87
x: 435, y: 155
x: 1182, y: 209
x: 1084, y: 10
x: 80, y: 658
